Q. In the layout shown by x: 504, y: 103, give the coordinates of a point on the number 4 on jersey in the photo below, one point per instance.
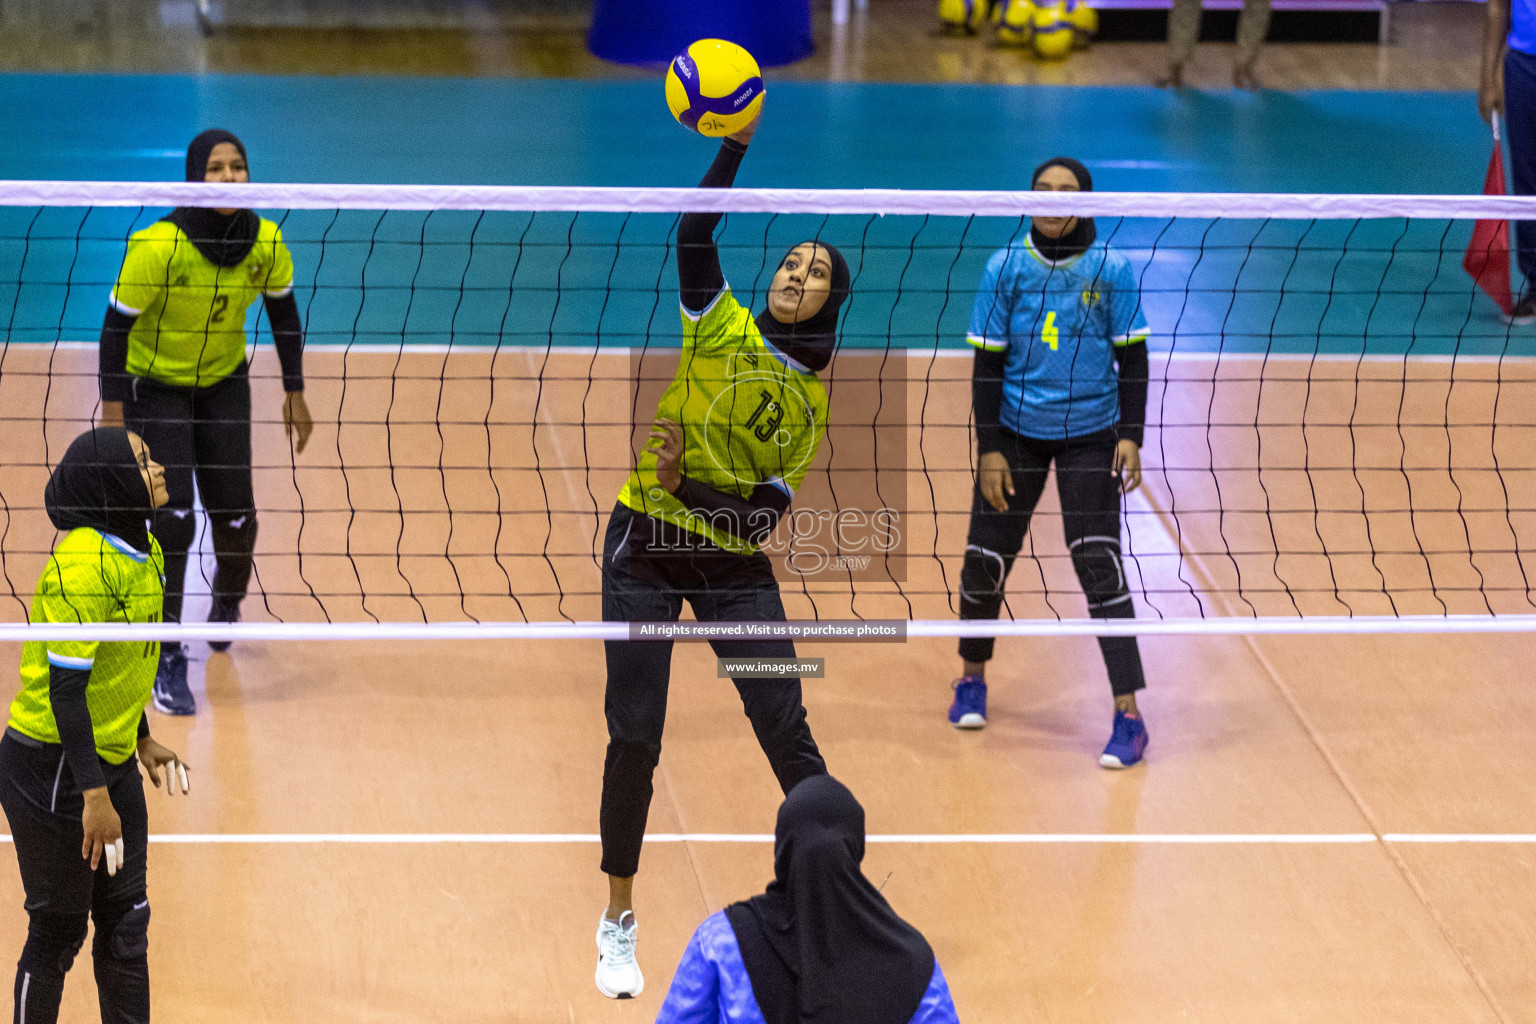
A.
x: 1050, y: 333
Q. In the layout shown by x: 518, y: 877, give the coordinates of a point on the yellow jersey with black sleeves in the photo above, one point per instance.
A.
x: 190, y: 330
x: 94, y: 577
x: 750, y: 415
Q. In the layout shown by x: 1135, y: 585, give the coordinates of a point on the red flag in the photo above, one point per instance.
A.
x: 1487, y: 258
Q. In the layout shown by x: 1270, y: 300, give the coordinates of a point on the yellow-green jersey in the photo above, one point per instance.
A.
x: 190, y: 330
x: 750, y: 415
x: 94, y: 577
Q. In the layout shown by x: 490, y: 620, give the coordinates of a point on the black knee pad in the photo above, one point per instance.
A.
x: 982, y: 575
x: 234, y: 533
x: 1097, y: 561
x: 175, y: 528
x: 122, y: 931
x: 52, y: 942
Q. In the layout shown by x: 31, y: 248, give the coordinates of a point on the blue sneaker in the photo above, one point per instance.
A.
x: 1128, y: 743
x: 969, y: 711
x: 172, y: 695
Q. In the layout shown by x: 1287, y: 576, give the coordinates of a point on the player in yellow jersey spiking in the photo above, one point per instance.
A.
x: 734, y: 436
x: 68, y: 783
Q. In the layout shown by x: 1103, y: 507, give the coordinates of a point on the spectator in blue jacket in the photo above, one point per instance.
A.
x: 821, y: 946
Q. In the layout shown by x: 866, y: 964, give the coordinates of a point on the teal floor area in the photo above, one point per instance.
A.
x: 507, y: 278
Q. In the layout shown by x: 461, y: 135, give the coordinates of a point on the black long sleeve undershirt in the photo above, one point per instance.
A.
x: 987, y: 399
x: 699, y: 276
x: 288, y: 337
x: 751, y: 518
x: 113, y: 359
x: 66, y: 693
x: 1134, y: 373
x: 987, y: 395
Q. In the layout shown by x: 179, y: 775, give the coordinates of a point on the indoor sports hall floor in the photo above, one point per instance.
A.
x: 1326, y: 829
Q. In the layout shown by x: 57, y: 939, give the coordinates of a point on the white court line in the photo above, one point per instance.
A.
x: 1464, y: 837
x: 916, y: 838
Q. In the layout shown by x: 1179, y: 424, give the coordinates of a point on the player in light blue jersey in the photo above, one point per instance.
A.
x: 1060, y: 377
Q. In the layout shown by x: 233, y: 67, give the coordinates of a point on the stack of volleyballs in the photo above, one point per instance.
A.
x: 963, y: 17
x: 1052, y: 29
x: 714, y: 87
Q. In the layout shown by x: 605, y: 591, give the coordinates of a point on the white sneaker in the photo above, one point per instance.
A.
x: 618, y: 973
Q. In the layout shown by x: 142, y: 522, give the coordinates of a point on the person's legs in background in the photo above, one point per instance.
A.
x: 162, y: 416
x: 1183, y: 33
x: 1520, y: 128
x: 221, y: 442
x: 1252, y: 28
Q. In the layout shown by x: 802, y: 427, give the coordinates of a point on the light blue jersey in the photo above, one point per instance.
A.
x: 1060, y: 324
x: 1522, y: 26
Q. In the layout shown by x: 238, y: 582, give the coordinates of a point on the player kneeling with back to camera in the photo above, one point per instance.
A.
x: 1060, y: 378
x: 734, y: 435
x: 68, y: 783
x: 821, y: 946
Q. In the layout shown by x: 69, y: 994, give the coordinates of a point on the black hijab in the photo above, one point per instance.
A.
x: 1076, y: 241
x: 822, y: 945
x: 223, y: 239
x: 812, y: 342
x: 98, y: 484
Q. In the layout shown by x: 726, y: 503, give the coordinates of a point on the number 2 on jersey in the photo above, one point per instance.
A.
x: 1050, y: 333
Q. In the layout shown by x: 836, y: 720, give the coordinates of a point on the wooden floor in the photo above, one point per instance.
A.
x: 1286, y: 736
x: 1310, y: 751
x: 1433, y: 46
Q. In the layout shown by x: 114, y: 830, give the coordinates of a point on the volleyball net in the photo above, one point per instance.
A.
x: 1338, y: 425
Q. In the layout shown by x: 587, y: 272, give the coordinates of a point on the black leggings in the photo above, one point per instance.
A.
x: 206, y: 433
x: 649, y: 569
x: 43, y: 805
x: 1090, y: 515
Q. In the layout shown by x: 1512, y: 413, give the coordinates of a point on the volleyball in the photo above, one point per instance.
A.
x: 714, y: 87
x: 963, y: 15
x: 1054, y: 34
x: 1085, y: 22
x: 1014, y: 22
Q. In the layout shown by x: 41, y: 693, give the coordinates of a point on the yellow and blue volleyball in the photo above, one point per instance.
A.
x: 964, y: 15
x: 714, y: 87
x: 1014, y: 21
x: 1054, y: 34
x: 1085, y: 22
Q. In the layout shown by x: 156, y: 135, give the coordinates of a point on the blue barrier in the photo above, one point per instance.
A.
x: 654, y: 31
